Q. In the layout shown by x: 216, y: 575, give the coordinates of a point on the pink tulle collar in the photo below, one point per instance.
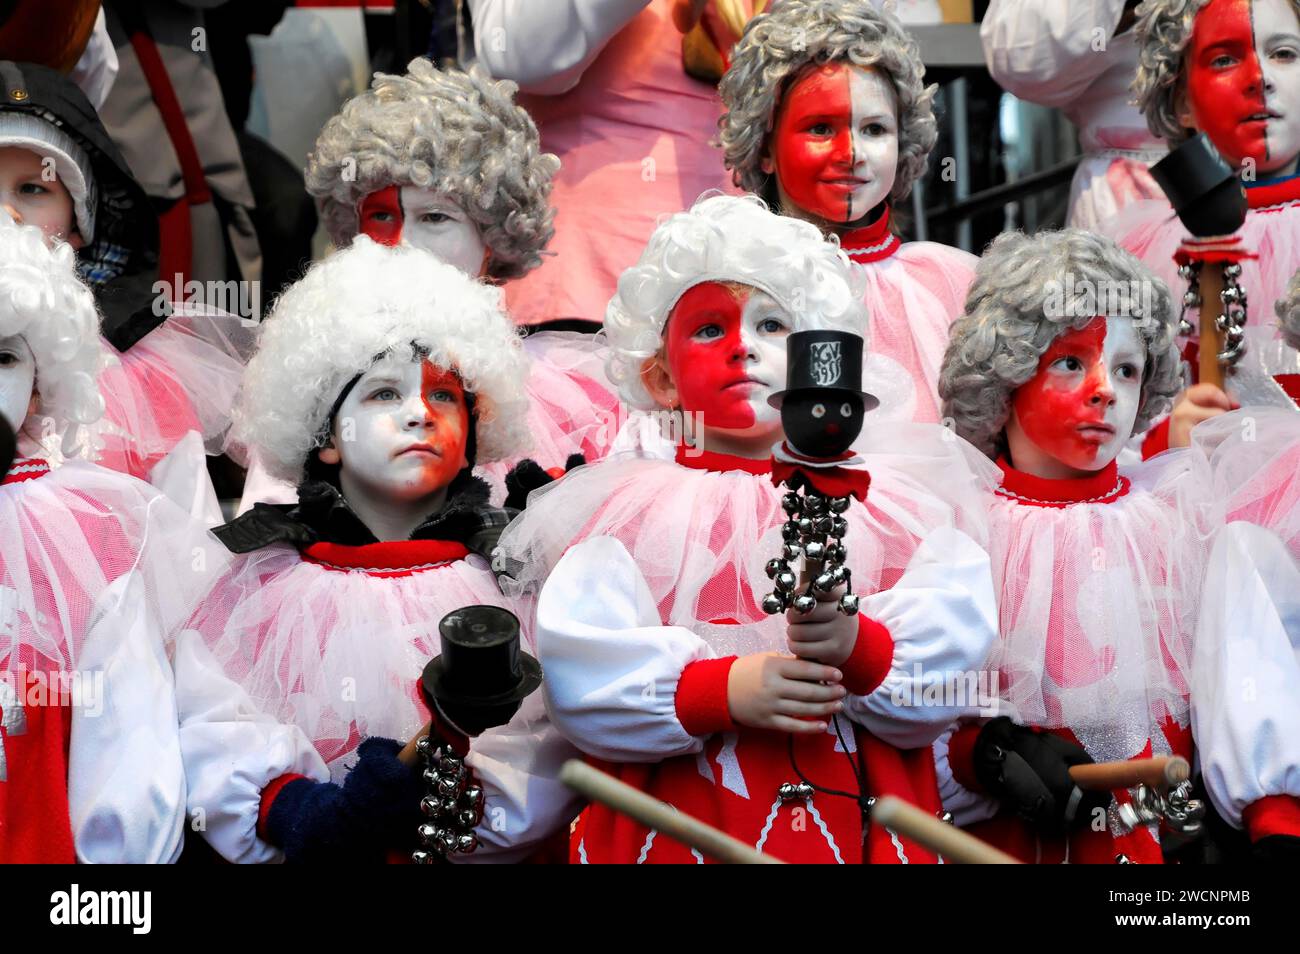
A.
x: 871, y: 243
x: 1105, y: 486
x: 1264, y: 195
x: 721, y: 463
x: 391, y: 558
x: 25, y: 468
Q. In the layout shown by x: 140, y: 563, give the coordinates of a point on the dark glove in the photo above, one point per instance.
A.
x: 1030, y: 771
x: 528, y: 475
x: 377, y: 808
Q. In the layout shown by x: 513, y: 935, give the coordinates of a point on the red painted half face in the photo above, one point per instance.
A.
x: 424, y: 219
x: 402, y: 430
x: 834, y: 147
x: 1079, y: 408
x: 1243, y: 81
x: 725, y: 346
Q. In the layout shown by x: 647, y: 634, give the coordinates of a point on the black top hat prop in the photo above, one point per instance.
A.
x: 8, y: 446
x: 1202, y: 187
x: 823, y: 403
x: 482, y: 675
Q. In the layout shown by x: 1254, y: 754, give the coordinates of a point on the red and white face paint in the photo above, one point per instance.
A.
x: 401, y: 433
x: 424, y: 219
x: 834, y: 147
x: 17, y: 380
x: 1243, y: 82
x: 1077, y: 412
x: 725, y: 349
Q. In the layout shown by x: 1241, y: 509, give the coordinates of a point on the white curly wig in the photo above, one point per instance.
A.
x: 995, y: 346
x: 778, y: 45
x: 350, y: 309
x: 43, y: 301
x: 1164, y: 31
x: 1288, y: 312
x: 458, y: 133
x: 730, y: 239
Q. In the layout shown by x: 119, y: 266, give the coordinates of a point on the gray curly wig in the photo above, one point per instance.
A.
x: 1164, y: 31
x: 365, y: 301
x: 44, y: 302
x: 1288, y: 312
x: 1029, y: 290
x: 778, y: 45
x: 732, y: 239
x: 459, y: 133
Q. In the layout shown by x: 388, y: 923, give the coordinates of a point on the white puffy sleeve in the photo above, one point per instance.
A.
x: 1245, y: 671
x: 942, y: 616
x: 546, y: 47
x: 612, y: 669
x: 183, y: 476
x: 1048, y: 51
x: 126, y: 784
x: 524, y: 802
x: 231, y: 752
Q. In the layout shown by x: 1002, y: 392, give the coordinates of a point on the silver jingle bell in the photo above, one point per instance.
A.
x: 773, y: 604
x: 814, y: 504
x: 1186, y: 272
x: 804, y: 604
x: 839, y: 527
x: 467, y: 818
x: 773, y: 567
x: 785, y: 582
x: 815, y: 550
x: 449, y: 806
x: 428, y: 834
x: 824, y: 583
x: 840, y: 574
x: 804, y: 790
x: 466, y: 843
x: 806, y: 526
x: 1122, y: 859
x: 447, y: 840
x: 840, y: 504
x: 946, y: 818
x: 791, y: 551
x: 791, y: 504
x: 449, y: 786
x: 849, y: 604
x: 790, y: 532
x: 430, y: 805
x: 835, y: 553
x: 824, y: 524
x: 473, y: 797
x: 421, y: 857
x: 423, y: 745
x: 1232, y: 270
x: 787, y: 792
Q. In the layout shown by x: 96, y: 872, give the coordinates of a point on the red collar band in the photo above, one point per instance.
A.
x: 1105, y: 486
x: 697, y: 459
x: 394, y: 557
x: 25, y: 468
x: 871, y: 243
x: 1274, y: 192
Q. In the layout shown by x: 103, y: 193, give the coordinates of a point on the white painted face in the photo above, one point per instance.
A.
x: 401, y: 433
x: 1077, y: 412
x: 1277, y: 38
x: 427, y: 220
x: 17, y: 380
x: 834, y: 147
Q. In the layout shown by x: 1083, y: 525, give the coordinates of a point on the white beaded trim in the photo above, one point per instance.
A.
x: 871, y: 249
x: 1113, y: 492
x: 380, y: 569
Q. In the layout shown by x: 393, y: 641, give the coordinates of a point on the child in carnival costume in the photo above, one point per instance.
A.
x: 829, y: 120
x: 646, y: 576
x: 1097, y: 568
x: 97, y: 572
x: 445, y: 161
x: 1229, y: 69
x: 382, y: 376
x: 171, y: 370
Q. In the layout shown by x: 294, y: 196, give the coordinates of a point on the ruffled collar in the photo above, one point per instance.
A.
x: 25, y: 468
x: 721, y: 463
x: 324, y: 527
x: 1267, y: 193
x: 1105, y: 486
x: 871, y: 243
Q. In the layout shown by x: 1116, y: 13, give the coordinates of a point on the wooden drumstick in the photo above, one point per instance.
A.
x: 952, y: 843
x: 1163, y: 771
x: 1211, y: 341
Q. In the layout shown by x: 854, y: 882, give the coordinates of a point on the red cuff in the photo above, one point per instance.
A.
x: 1272, y: 815
x: 701, y: 698
x: 1156, y: 441
x: 868, y: 664
x: 961, y: 757
x: 269, y: 795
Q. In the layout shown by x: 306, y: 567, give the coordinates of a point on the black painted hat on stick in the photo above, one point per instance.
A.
x: 1202, y: 187
x: 823, y: 404
x: 8, y: 446
x: 482, y: 675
